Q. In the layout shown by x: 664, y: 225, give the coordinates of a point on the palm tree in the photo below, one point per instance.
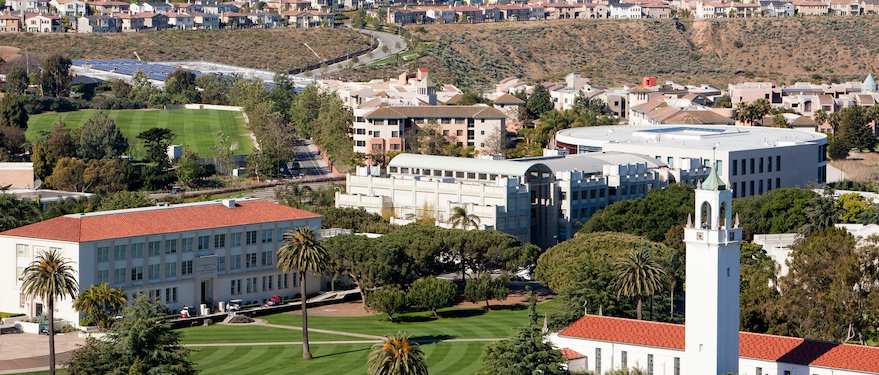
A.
x: 50, y: 277
x: 396, y: 356
x: 762, y: 107
x: 100, y: 302
x: 820, y: 117
x: 638, y: 274
x: 302, y: 251
x: 460, y: 217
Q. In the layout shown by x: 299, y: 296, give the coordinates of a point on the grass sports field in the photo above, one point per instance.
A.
x: 447, y: 358
x: 196, y: 128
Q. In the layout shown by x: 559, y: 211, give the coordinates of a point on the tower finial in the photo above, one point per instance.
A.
x: 737, y: 221
x: 689, y: 221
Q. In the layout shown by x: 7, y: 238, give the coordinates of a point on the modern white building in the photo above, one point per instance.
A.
x: 751, y: 160
x: 710, y: 342
x: 185, y: 255
x: 539, y: 200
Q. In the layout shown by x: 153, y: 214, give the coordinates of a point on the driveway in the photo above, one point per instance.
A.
x: 395, y: 45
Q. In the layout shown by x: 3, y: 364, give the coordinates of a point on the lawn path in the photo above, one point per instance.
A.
x: 340, y: 333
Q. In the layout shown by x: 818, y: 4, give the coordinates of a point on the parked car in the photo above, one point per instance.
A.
x: 234, y: 305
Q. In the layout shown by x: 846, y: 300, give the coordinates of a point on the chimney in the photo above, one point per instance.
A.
x: 230, y: 203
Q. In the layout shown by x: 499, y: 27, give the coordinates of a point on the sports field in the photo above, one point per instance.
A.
x: 196, y: 128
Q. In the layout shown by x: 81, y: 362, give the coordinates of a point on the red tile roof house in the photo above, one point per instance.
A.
x: 610, y: 343
x: 186, y: 254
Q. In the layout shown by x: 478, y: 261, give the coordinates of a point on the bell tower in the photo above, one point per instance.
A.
x: 712, y: 282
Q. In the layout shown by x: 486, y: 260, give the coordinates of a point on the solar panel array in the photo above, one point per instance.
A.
x: 154, y: 71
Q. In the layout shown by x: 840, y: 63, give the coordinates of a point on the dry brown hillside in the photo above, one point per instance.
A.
x: 706, y: 51
x: 273, y: 49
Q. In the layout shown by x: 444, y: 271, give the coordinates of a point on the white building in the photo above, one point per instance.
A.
x: 185, y: 255
x: 710, y: 342
x: 624, y: 11
x: 539, y: 200
x: 752, y: 160
x: 69, y: 7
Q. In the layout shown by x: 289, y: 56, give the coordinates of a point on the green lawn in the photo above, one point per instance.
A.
x: 195, y: 128
x: 457, y: 323
x: 224, y: 333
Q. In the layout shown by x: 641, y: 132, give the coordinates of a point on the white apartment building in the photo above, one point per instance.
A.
x: 383, y: 129
x: 539, y: 200
x: 69, y: 7
x: 752, y: 160
x: 185, y: 255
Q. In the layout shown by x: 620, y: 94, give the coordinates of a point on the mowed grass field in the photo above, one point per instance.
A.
x: 196, y: 128
x: 228, y: 333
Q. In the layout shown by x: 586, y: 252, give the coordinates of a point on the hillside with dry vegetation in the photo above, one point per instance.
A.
x: 615, y: 52
x: 272, y: 49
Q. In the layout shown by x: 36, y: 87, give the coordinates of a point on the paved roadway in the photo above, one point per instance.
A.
x: 394, y: 43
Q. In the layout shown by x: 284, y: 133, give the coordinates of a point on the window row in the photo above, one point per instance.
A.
x: 756, y: 165
x: 187, y: 245
x: 749, y: 188
x: 252, y: 285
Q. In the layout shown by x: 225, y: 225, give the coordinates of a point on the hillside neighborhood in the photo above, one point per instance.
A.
x: 192, y: 216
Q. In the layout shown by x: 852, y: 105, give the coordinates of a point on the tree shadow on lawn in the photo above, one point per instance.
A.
x: 461, y: 313
x: 414, y: 319
x: 430, y: 339
x: 514, y: 307
x: 340, y: 353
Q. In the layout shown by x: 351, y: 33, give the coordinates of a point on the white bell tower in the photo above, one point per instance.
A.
x: 712, y: 282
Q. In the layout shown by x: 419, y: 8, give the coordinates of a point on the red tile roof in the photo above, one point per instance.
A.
x: 571, y: 354
x: 751, y: 345
x: 157, y: 220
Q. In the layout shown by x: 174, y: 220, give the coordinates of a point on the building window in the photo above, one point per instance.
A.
x: 136, y: 251
x: 761, y: 186
x: 719, y: 164
x: 360, y: 143
x: 187, y: 245
x: 761, y: 165
x: 154, y: 248
x: 234, y: 262
x: 752, y: 165
x: 102, y: 277
x: 459, y: 133
x: 266, y: 258
x: 136, y: 273
x: 769, y: 166
x: 752, y: 187
x: 359, y: 131
x: 396, y: 134
x: 236, y: 239
x: 624, y: 359
x: 119, y: 252
x: 759, y: 371
x: 170, y: 246
x: 251, y: 237
x: 221, y: 264
x: 598, y: 360
x: 251, y: 260
x: 103, y: 253
x: 264, y: 287
x: 170, y: 269
x: 219, y: 241
x: 744, y: 167
x: 170, y: 295
x: 650, y: 364
x: 204, y: 242
x: 735, y: 167
x: 232, y: 289
x: 677, y: 370
x: 670, y: 161
x: 248, y: 286
x: 119, y: 276
x: 778, y: 162
x: 376, y: 134
x: 186, y: 267
x: 777, y: 182
x: 267, y: 235
x: 154, y: 270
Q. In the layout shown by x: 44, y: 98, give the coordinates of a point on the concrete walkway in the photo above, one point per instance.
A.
x: 27, y: 352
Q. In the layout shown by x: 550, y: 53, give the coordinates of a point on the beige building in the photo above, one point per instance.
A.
x: 16, y: 175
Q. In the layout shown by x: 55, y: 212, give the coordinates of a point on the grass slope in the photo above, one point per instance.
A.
x: 622, y: 51
x: 195, y: 128
x: 271, y: 49
x: 224, y: 333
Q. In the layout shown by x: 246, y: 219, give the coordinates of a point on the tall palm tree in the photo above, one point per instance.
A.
x: 638, y: 274
x: 820, y: 117
x: 762, y: 107
x: 461, y: 218
x: 396, y: 356
x: 302, y: 251
x: 50, y: 277
x: 100, y: 302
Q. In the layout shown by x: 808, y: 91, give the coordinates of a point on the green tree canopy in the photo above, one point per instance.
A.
x: 125, y: 199
x: 390, y: 300
x: 485, y: 288
x: 100, y: 138
x: 539, y: 102
x: 180, y: 86
x: 433, y: 294
x: 17, y: 80
x: 54, y: 77
x: 776, y: 211
x: 650, y: 217
x: 156, y: 141
x: 637, y: 274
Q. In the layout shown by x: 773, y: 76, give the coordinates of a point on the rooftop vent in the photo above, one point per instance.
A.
x: 229, y: 203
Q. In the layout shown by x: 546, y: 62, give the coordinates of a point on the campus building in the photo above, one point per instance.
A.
x: 710, y: 341
x: 184, y: 255
x: 539, y: 200
x: 751, y: 160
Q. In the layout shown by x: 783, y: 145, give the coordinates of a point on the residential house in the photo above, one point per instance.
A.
x: 265, y: 20
x: 151, y: 7
x: 325, y: 5
x: 187, y: 8
x: 29, y: 6
x: 845, y: 7
x: 153, y: 21
x: 184, y: 255
x: 307, y: 19
x: 513, y: 12
x: 625, y: 11
x: 206, y: 21
x: 737, y: 9
x: 811, y: 8
x: 43, y: 23
x: 491, y: 13
x: 439, y: 15
x: 10, y: 23
x: 182, y: 21
x: 110, y: 7
x: 69, y: 7
x: 710, y: 9
x: 561, y: 11
x: 656, y: 10
x: 283, y: 5
x: 869, y: 6
x: 469, y: 14
x: 234, y: 20
x: 536, y: 12
x: 405, y: 16
x: 96, y: 24
x: 128, y: 22
x: 778, y: 8
x: 219, y: 8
